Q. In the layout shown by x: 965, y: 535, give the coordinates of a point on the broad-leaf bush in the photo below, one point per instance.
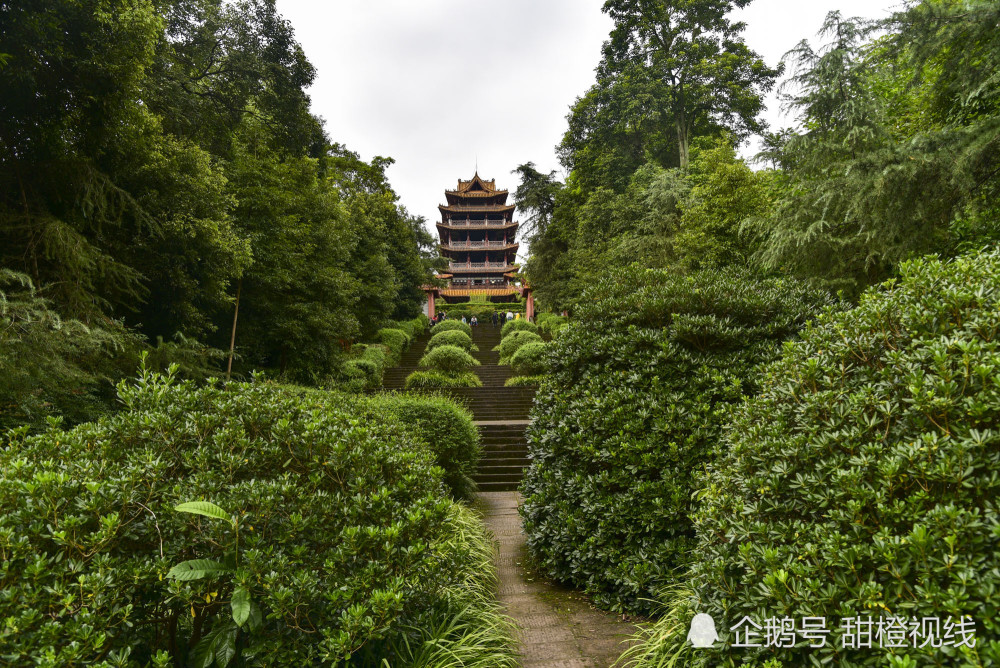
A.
x: 631, y: 407
x: 348, y: 542
x: 518, y: 325
x: 862, y: 480
x: 529, y: 360
x: 449, y: 359
x: 451, y: 338
x: 513, y: 341
x: 451, y: 326
x: 443, y: 424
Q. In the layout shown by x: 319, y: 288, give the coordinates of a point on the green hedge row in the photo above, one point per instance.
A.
x: 632, y: 405
x: 337, y: 544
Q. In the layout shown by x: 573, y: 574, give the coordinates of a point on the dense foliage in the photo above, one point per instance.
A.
x: 341, y: 537
x: 894, y: 153
x: 449, y: 359
x: 633, y: 405
x: 449, y: 325
x: 445, y: 426
x: 160, y: 169
x: 513, y: 341
x: 529, y: 359
x: 454, y: 337
x: 518, y: 325
x: 862, y: 479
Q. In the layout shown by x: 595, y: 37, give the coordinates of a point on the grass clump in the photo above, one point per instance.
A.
x: 439, y: 379
x: 449, y: 359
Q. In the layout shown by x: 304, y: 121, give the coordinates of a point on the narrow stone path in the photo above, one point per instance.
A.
x: 557, y: 627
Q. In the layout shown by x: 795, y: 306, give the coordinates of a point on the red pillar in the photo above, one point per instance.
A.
x: 430, y: 304
x: 529, y: 309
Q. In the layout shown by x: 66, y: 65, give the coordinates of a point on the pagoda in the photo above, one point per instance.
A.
x: 478, y: 235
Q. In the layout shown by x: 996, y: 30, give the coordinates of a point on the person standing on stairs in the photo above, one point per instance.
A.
x: 494, y: 319
x: 510, y: 316
x: 475, y: 321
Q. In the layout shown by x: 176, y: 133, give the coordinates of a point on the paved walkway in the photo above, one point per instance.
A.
x: 558, y: 627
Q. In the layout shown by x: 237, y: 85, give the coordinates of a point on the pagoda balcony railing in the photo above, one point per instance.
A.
x: 478, y: 223
x: 478, y: 244
x: 473, y: 266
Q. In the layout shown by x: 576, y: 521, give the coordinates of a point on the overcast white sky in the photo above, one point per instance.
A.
x: 440, y: 84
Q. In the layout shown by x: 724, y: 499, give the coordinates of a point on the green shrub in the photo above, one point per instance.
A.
x: 863, y: 478
x: 529, y: 359
x: 414, y: 327
x: 396, y: 340
x: 372, y: 361
x: 419, y: 379
x: 510, y: 344
x: 632, y: 405
x: 442, y: 423
x: 452, y: 338
x: 522, y: 381
x: 449, y: 359
x: 450, y: 326
x: 347, y: 542
x: 551, y: 324
x: 519, y: 325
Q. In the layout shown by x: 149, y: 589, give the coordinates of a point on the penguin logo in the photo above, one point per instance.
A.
x: 702, y: 633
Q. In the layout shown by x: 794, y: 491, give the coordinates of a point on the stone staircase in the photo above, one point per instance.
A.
x: 501, y: 413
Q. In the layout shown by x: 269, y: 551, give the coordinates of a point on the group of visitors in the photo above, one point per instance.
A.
x: 496, y: 318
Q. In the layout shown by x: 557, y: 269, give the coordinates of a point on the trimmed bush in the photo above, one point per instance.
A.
x: 414, y: 327
x: 518, y: 326
x: 863, y: 478
x: 449, y: 359
x: 396, y: 340
x: 529, y: 360
x: 372, y: 362
x: 451, y: 326
x: 443, y: 424
x: 510, y: 344
x: 552, y: 323
x: 633, y: 404
x: 452, y: 338
x: 347, y: 544
x: 521, y: 381
x: 419, y: 379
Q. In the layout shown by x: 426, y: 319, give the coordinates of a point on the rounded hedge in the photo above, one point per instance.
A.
x: 519, y: 325
x: 451, y: 338
x: 346, y: 539
x: 529, y: 359
x: 863, y: 478
x: 450, y: 326
x: 443, y: 424
x: 513, y: 341
x: 396, y: 340
x: 631, y: 407
x: 449, y: 359
x: 431, y: 379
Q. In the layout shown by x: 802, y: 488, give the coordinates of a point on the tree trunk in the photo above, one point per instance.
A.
x: 682, y: 142
x: 232, y: 338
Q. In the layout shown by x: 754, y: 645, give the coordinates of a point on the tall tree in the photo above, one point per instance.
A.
x: 535, y: 197
x: 696, y: 59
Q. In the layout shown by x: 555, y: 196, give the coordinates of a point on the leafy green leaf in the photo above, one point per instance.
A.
x: 241, y: 605
x: 225, y: 647
x: 205, y: 508
x: 196, y: 569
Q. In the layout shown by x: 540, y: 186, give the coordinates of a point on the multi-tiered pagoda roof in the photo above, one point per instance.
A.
x: 478, y: 235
